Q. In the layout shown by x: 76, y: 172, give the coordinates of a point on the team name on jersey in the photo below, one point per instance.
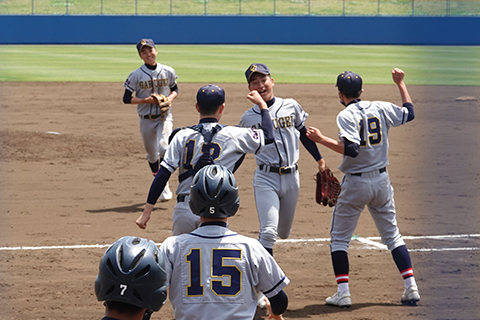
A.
x: 155, y: 83
x: 279, y: 123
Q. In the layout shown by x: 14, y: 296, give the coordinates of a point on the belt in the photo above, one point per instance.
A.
x: 382, y: 170
x: 182, y: 197
x: 151, y: 116
x: 279, y: 170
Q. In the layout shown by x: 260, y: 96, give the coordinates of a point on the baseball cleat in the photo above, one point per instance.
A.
x: 166, y: 194
x: 343, y: 301
x: 410, y: 296
x: 261, y: 303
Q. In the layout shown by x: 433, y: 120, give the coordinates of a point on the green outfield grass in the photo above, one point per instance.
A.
x: 244, y: 7
x: 424, y: 65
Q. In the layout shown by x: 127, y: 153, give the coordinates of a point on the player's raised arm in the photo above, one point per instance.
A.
x: 398, y: 75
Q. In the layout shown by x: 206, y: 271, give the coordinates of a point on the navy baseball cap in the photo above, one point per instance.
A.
x: 145, y: 42
x: 349, y: 81
x: 210, y: 95
x: 256, y: 67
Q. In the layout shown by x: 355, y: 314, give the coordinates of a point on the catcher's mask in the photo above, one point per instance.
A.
x: 132, y: 271
x: 214, y: 193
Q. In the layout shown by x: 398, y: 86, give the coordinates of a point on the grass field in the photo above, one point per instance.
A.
x: 245, y: 7
x: 424, y: 65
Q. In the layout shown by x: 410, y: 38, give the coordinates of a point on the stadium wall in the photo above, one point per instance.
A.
x: 69, y: 29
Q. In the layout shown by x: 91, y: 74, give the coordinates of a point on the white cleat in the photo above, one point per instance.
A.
x: 410, y: 296
x: 342, y: 301
x: 261, y: 303
x: 166, y: 194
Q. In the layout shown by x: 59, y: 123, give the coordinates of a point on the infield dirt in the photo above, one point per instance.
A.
x: 73, y: 172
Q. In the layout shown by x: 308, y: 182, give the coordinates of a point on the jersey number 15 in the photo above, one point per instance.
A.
x: 218, y: 271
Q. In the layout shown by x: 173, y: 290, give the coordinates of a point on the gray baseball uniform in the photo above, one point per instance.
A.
x: 367, y: 124
x: 155, y: 132
x: 276, y: 180
x: 228, y: 146
x: 212, y: 273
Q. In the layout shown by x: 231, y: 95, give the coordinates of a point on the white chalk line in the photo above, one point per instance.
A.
x: 369, y: 241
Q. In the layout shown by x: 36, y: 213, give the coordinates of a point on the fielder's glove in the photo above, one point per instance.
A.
x: 163, y: 103
x: 327, y: 189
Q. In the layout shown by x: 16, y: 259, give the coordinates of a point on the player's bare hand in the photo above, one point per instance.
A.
x: 143, y: 219
x: 256, y: 98
x: 150, y: 100
x: 270, y: 313
x: 398, y: 75
x: 314, y: 134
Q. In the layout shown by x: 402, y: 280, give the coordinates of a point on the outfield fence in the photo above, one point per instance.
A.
x: 243, y: 7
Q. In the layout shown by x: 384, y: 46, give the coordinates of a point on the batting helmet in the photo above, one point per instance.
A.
x: 132, y: 271
x: 214, y: 193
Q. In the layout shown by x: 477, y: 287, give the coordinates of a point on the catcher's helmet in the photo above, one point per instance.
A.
x: 132, y: 271
x: 214, y: 193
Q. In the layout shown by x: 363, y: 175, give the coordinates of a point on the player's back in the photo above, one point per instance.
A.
x: 213, y: 273
x: 367, y: 123
x: 228, y: 145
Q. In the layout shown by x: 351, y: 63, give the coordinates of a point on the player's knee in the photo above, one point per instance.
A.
x: 267, y: 238
x: 284, y: 234
x: 394, y: 243
x: 337, y: 245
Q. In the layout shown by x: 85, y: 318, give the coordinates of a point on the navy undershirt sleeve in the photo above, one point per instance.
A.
x: 350, y: 149
x: 309, y: 144
x: 267, y: 126
x: 279, y: 303
x: 158, y: 185
x: 174, y: 88
x: 127, y: 96
x: 411, y: 113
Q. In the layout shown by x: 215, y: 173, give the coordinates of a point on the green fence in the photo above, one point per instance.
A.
x: 243, y: 7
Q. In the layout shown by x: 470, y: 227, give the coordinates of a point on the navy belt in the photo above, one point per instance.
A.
x: 382, y: 170
x: 151, y: 116
x: 181, y: 197
x: 279, y: 170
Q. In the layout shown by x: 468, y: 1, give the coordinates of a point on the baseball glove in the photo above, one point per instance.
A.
x: 163, y: 103
x: 327, y: 189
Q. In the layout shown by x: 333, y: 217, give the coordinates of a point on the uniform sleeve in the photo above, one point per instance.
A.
x: 271, y: 279
x: 166, y: 248
x: 129, y: 83
x: 248, y: 140
x: 300, y: 115
x: 394, y: 114
x: 172, y: 78
x: 171, y: 159
x: 347, y: 127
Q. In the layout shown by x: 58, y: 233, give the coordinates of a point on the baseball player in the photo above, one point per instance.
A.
x: 363, y: 132
x: 212, y: 272
x: 276, y: 180
x: 207, y: 142
x: 150, y: 78
x: 131, y: 279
